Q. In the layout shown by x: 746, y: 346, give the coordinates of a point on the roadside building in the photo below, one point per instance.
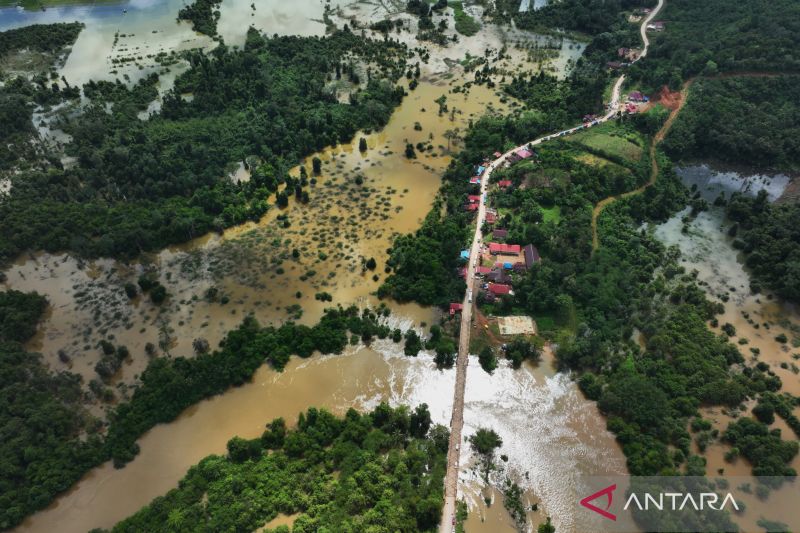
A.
x: 499, y: 234
x: 500, y: 248
x: 504, y: 184
x: 499, y: 289
x: 531, y: 255
x: 456, y: 308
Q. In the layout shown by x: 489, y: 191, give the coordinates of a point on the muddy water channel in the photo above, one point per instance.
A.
x: 758, y: 319
x: 550, y: 433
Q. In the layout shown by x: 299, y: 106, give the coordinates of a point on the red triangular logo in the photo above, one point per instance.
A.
x: 608, y: 492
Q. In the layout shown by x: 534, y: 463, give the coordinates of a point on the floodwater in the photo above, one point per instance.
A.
x: 550, y: 433
x: 707, y: 249
x: 359, y: 203
x: 251, y: 266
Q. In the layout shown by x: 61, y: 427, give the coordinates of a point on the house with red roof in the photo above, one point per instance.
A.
x: 472, y: 207
x: 499, y: 233
x: 499, y: 289
x: 491, y: 218
x: 475, y: 180
x: 504, y: 184
x: 474, y: 198
x: 500, y: 248
x: 482, y: 270
x: 456, y: 308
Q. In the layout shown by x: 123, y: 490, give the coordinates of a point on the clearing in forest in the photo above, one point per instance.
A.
x: 608, y: 139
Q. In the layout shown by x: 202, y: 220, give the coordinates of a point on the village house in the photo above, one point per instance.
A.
x: 499, y: 289
x: 500, y: 248
x: 531, y: 255
x: 614, y: 65
x: 657, y: 25
x: 504, y: 184
x: 456, y: 308
x: 491, y: 217
x: 499, y: 234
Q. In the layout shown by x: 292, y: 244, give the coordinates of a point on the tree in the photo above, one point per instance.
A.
x: 362, y: 145
x: 420, y: 421
x: 452, y: 135
x: 371, y: 263
x: 158, y: 294
x: 316, y: 165
x: 487, y: 359
x: 547, y: 527
x: 485, y: 441
x: 410, y: 153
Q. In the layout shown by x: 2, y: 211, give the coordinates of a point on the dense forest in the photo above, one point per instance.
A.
x: 41, y: 418
x: 142, y: 184
x: 203, y: 14
x: 40, y: 37
x: 380, y: 471
x: 720, y: 36
x: 753, y: 121
x: 770, y: 236
x: 585, y: 16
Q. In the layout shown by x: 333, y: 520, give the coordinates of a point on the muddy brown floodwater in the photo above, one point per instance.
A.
x: 251, y: 266
x: 551, y: 434
x: 706, y: 248
x: 358, y: 204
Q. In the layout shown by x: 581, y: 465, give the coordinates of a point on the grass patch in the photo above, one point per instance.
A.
x: 465, y: 25
x: 552, y: 214
x: 609, y: 141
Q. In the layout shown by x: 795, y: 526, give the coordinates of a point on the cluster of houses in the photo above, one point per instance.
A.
x: 634, y: 99
x: 626, y: 57
x: 507, y: 259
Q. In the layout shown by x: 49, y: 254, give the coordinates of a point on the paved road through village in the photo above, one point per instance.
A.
x: 457, y: 417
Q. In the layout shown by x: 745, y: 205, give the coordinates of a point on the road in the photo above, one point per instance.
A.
x: 457, y: 417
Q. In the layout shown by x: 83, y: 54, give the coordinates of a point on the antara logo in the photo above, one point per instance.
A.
x: 608, y: 492
x: 671, y: 501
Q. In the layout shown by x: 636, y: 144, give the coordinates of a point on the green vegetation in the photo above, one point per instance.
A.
x: 770, y: 236
x: 423, y: 263
x: 762, y: 447
x: 19, y: 148
x: 717, y: 36
x: 168, y: 386
x: 40, y: 37
x: 203, y: 14
x: 609, y: 142
x: 140, y: 185
x: 745, y: 120
x: 19, y: 314
x: 42, y: 419
x: 465, y: 25
x: 585, y: 16
x: 381, y: 471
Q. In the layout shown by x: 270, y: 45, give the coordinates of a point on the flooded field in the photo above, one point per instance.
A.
x: 758, y: 319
